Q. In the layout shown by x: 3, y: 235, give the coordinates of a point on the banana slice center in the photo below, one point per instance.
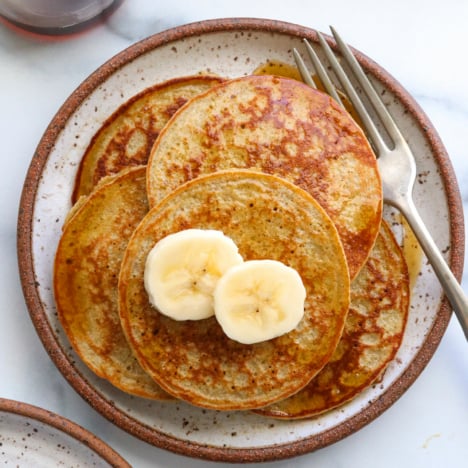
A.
x: 259, y: 300
x: 182, y: 271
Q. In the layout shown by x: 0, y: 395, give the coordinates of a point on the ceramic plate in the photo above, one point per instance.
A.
x: 230, y: 47
x: 32, y: 436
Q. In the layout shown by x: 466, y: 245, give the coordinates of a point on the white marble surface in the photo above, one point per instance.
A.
x: 422, y: 43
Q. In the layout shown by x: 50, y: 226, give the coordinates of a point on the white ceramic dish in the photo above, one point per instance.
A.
x: 32, y: 436
x: 231, y: 47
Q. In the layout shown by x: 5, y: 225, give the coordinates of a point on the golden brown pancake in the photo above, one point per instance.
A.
x: 268, y: 218
x: 283, y: 127
x: 126, y: 137
x: 87, y: 265
x: 372, y: 335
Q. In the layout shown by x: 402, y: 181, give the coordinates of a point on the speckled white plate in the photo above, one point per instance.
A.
x: 32, y: 436
x: 230, y: 47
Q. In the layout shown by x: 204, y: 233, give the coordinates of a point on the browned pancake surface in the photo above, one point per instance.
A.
x: 87, y: 265
x: 372, y: 335
x: 266, y: 217
x: 279, y: 126
x: 126, y: 138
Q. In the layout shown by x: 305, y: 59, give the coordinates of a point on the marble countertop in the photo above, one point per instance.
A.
x: 421, y: 43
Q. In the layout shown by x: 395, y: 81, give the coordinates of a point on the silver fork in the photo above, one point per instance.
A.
x: 397, y: 164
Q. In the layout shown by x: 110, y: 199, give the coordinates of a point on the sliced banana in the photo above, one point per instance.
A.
x: 259, y: 300
x: 182, y: 270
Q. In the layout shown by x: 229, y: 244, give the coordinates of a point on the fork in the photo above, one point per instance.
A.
x: 396, y: 162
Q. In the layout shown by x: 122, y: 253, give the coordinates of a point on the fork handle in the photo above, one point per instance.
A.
x: 450, y: 285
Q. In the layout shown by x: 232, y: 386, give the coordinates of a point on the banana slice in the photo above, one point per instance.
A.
x: 182, y: 270
x: 259, y: 300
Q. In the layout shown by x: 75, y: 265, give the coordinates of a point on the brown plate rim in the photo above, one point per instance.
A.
x: 62, y: 424
x: 81, y: 385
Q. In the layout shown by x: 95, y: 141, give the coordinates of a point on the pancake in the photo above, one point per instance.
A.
x: 86, y: 269
x: 267, y: 218
x: 126, y: 137
x: 282, y: 127
x: 372, y: 335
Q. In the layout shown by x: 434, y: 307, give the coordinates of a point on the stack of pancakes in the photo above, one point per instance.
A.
x: 288, y: 175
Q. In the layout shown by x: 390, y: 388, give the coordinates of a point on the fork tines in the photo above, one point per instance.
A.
x: 348, y: 87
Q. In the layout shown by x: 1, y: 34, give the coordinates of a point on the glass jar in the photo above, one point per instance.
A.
x: 55, y: 17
